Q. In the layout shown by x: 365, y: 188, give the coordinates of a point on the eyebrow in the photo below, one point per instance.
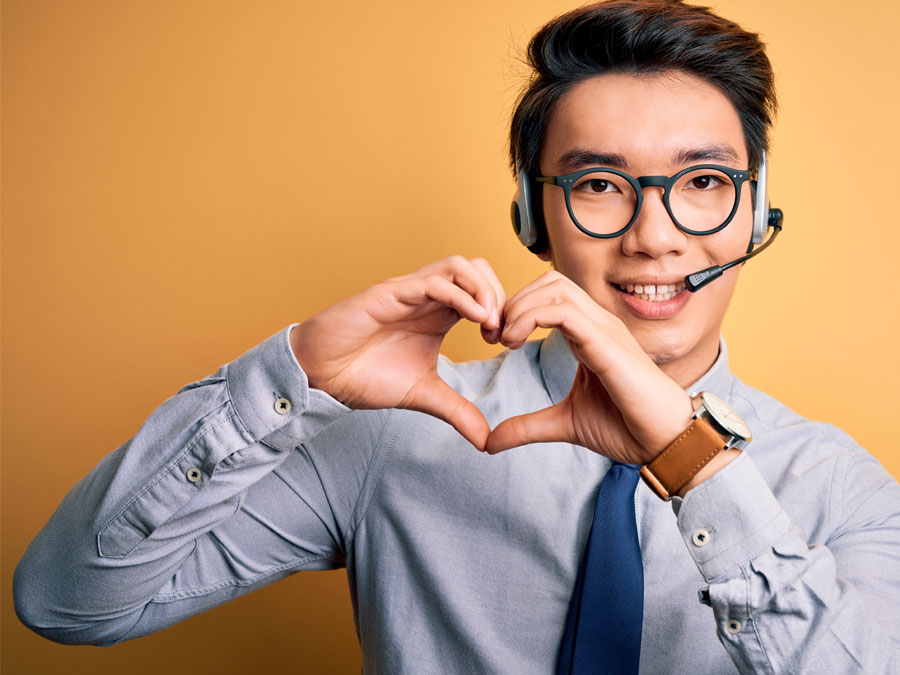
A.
x: 579, y: 158
x: 720, y: 153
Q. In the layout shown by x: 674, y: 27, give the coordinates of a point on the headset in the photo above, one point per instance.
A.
x: 529, y: 225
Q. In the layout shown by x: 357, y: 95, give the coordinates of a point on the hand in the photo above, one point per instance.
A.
x: 379, y: 348
x: 621, y: 404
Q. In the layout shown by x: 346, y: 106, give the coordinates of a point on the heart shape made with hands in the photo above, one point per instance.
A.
x: 606, y: 409
x: 379, y: 349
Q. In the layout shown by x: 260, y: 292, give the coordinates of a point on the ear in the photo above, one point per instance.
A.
x: 545, y: 255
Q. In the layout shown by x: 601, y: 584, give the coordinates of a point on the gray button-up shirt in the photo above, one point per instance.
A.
x: 786, y: 561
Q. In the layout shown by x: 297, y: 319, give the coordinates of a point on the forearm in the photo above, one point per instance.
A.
x: 126, y: 529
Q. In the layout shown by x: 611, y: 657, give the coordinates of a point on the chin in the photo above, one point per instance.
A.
x: 662, y: 346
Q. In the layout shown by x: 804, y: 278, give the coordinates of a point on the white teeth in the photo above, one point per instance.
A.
x: 653, y: 292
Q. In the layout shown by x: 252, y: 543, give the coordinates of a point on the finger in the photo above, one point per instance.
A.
x: 470, y: 278
x: 557, y: 302
x: 487, y: 271
x: 573, y: 323
x: 551, y: 288
x: 492, y: 335
x: 584, y: 320
x: 543, y: 280
x: 443, y: 291
x: 544, y: 426
x: 437, y: 398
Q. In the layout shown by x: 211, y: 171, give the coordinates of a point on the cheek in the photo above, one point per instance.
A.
x: 572, y: 252
x: 575, y: 254
x: 553, y: 209
x: 732, y: 242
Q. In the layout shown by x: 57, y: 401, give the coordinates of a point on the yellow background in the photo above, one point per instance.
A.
x: 180, y: 179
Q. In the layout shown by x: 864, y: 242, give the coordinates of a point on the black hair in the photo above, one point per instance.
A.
x: 642, y: 37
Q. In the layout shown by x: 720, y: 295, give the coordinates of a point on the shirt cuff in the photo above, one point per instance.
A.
x: 271, y: 395
x: 730, y: 518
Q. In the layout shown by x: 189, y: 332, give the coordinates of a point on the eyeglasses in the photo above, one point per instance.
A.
x: 604, y: 202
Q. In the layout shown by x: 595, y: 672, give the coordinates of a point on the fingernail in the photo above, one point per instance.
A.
x: 495, y: 317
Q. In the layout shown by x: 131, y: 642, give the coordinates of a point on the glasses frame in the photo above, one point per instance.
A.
x: 567, y: 181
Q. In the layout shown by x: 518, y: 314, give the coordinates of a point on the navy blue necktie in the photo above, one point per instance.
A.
x: 603, y: 628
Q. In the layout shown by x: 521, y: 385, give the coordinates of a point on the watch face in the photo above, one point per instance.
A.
x: 725, y: 415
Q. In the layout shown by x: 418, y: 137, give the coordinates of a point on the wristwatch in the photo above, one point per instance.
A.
x: 715, y: 427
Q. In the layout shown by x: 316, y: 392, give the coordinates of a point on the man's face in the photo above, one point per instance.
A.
x: 657, y: 125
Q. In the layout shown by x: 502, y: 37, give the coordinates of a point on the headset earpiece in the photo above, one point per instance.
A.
x: 526, y: 221
x: 521, y: 209
x: 760, y: 202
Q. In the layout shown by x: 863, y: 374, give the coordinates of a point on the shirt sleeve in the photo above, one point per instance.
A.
x: 782, y: 605
x: 212, y: 498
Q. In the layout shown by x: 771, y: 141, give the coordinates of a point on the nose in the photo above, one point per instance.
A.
x: 653, y: 233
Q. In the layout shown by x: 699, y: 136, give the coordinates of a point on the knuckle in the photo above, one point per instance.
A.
x: 432, y: 283
x: 559, y: 292
x: 386, y: 287
x: 434, y: 264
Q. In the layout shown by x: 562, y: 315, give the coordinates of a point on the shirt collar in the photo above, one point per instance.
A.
x: 558, y: 366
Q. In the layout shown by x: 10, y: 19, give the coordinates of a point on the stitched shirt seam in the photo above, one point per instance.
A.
x: 167, y: 469
x: 174, y: 596
x: 752, y: 556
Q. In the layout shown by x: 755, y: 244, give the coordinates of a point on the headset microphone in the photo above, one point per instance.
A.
x: 694, y: 282
x: 763, y: 219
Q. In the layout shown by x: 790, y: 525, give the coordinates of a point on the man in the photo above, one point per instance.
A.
x: 328, y: 445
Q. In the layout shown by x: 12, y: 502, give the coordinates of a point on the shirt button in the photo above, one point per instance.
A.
x: 700, y: 537
x: 733, y: 626
x: 282, y: 406
x: 194, y: 475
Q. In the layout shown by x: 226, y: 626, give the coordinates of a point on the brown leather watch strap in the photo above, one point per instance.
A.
x: 683, y: 458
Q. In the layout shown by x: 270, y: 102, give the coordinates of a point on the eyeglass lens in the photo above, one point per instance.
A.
x: 604, y: 202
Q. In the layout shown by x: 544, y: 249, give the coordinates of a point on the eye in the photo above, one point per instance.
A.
x: 596, y: 186
x: 705, y: 182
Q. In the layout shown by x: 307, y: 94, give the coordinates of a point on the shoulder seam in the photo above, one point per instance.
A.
x: 356, y: 516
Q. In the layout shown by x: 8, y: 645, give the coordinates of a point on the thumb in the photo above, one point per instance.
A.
x: 544, y: 426
x: 439, y: 399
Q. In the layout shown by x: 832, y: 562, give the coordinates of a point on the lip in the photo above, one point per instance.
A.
x: 645, y: 309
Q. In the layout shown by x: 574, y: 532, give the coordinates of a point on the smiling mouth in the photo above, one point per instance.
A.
x: 652, y: 292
